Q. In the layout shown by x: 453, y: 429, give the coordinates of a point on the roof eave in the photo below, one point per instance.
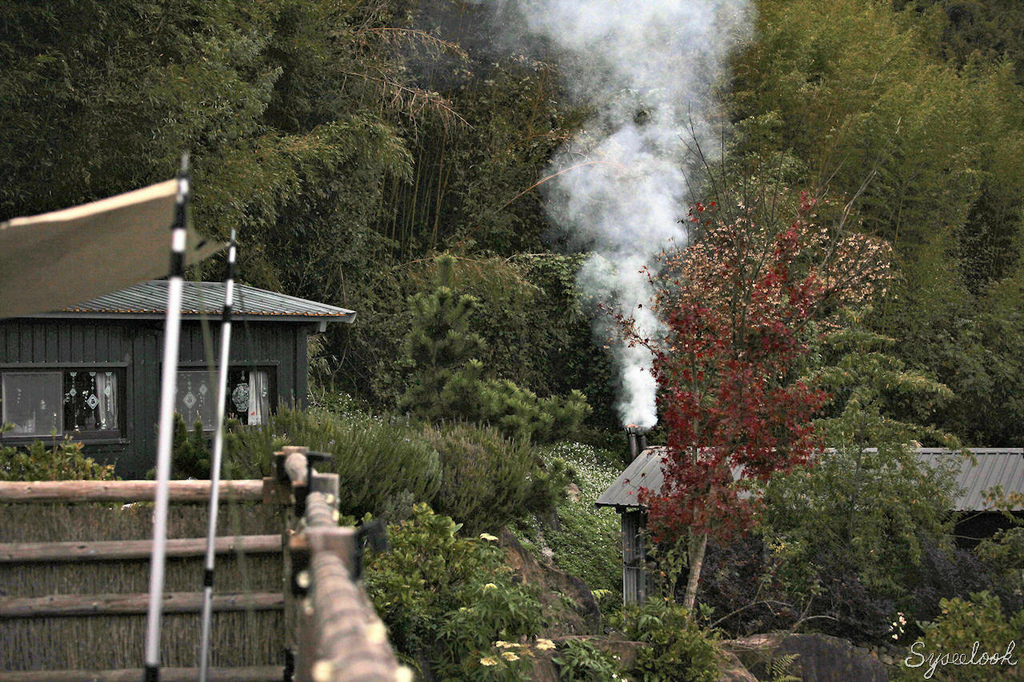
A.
x: 347, y: 318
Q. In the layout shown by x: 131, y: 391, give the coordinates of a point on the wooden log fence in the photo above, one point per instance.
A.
x: 68, y: 605
x: 124, y: 491
x: 339, y: 637
x: 127, y: 550
x: 331, y: 631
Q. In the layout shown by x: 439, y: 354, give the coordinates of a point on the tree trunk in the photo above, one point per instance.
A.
x: 698, y: 545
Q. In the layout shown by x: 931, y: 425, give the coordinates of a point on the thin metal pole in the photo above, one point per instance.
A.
x: 215, y: 465
x: 163, y: 457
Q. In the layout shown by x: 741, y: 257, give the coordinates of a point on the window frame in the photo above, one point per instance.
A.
x: 63, y: 369
x: 271, y: 368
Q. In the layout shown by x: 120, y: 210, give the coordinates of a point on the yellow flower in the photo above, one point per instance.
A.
x: 490, y: 586
x: 545, y: 644
x: 488, y: 537
x: 509, y: 656
x: 490, y: 660
x: 502, y: 645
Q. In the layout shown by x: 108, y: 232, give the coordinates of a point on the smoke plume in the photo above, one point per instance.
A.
x: 619, y: 188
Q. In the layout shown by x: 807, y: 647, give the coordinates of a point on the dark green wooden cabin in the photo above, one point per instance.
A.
x: 92, y: 371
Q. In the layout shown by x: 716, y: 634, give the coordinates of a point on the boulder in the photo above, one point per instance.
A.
x: 585, y: 616
x: 545, y: 670
x: 819, y: 658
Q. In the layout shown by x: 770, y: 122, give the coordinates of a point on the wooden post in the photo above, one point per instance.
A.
x: 288, y: 523
x: 634, y: 579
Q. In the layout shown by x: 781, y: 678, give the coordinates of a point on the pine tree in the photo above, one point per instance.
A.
x: 448, y: 381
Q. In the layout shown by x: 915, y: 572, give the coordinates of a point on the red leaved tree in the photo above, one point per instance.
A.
x: 740, y: 306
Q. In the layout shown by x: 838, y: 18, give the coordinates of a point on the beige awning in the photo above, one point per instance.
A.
x: 57, y: 259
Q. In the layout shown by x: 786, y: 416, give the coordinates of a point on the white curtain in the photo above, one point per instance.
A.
x: 106, y: 393
x: 259, y: 397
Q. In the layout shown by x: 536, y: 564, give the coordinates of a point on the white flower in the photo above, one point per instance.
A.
x: 545, y: 644
x: 509, y: 656
x: 490, y: 586
x: 488, y: 537
x: 490, y: 660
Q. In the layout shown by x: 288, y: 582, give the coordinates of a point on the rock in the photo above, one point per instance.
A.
x: 731, y: 669
x: 820, y: 658
x: 545, y: 670
x: 585, y: 616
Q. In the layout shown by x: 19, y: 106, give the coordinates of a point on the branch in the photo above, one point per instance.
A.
x: 766, y: 602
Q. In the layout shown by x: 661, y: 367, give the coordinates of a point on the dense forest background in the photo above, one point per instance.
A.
x: 351, y: 142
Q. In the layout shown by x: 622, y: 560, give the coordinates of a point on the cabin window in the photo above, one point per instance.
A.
x: 79, y: 402
x: 250, y: 396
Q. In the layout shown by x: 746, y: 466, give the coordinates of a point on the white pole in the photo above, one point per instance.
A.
x: 163, y: 456
x: 215, y: 465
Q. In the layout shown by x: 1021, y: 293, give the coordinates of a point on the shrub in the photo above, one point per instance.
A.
x: 64, y: 461
x: 967, y: 629
x: 1004, y: 552
x: 740, y: 584
x: 580, y: 661
x: 677, y: 649
x: 486, y: 479
x: 377, y: 460
x: 190, y: 450
x: 448, y: 599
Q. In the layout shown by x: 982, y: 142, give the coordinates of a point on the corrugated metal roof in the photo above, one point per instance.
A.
x: 643, y: 472
x: 149, y: 300
x: 995, y: 466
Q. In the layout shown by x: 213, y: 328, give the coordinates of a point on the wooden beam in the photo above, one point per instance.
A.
x: 353, y: 643
x: 31, y: 552
x: 64, y: 605
x: 266, y: 673
x: 123, y: 491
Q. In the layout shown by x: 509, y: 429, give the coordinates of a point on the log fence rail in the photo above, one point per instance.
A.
x: 331, y: 632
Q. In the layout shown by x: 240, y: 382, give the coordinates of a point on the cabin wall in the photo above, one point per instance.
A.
x: 136, y: 348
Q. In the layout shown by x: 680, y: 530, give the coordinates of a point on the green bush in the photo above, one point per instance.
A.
x: 677, y: 649
x: 378, y: 460
x: 190, y: 450
x: 975, y: 629
x: 64, y: 461
x: 449, y: 601
x: 580, y: 661
x: 486, y: 479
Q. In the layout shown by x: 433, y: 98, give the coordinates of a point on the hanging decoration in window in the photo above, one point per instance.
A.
x: 191, y: 399
x: 45, y: 403
x: 240, y: 397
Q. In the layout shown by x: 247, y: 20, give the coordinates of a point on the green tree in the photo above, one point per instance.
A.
x: 869, y: 506
x: 924, y: 149
x: 449, y: 382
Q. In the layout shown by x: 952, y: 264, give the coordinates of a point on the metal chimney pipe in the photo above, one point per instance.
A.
x: 632, y: 433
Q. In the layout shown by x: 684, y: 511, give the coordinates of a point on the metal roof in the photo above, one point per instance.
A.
x: 149, y: 300
x: 995, y: 466
x: 643, y: 472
